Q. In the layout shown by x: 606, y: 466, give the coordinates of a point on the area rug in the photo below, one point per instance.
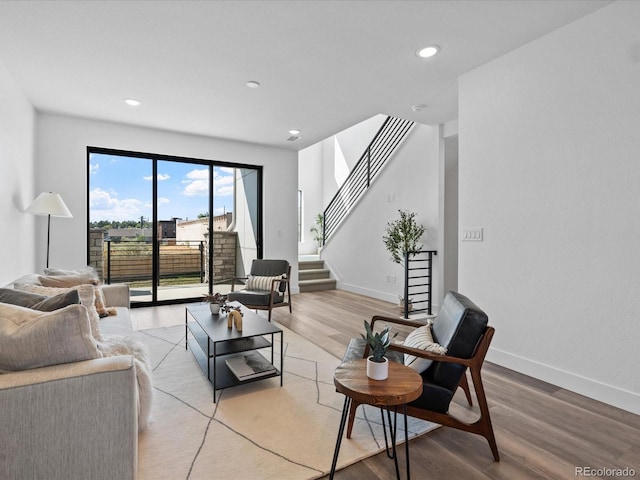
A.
x: 255, y: 431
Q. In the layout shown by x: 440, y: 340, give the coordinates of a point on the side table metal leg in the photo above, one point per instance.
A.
x: 395, y: 426
x: 406, y: 440
x: 343, y: 421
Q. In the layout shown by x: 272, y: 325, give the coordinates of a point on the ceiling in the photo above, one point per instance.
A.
x: 322, y: 66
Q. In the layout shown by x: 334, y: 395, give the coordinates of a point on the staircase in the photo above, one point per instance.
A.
x: 313, y: 277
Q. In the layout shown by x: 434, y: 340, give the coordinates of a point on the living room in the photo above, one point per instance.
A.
x: 547, y: 168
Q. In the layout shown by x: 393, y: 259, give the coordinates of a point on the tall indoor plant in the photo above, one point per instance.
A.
x: 401, y: 239
x: 318, y: 231
x: 402, y: 236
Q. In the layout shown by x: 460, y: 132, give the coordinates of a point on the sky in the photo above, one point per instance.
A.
x: 120, y: 188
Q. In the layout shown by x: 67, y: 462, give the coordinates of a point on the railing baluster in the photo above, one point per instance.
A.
x: 379, y: 150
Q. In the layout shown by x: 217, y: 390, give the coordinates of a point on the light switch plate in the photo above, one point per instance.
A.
x: 473, y: 234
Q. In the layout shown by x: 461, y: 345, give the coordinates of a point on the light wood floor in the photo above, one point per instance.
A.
x: 542, y: 431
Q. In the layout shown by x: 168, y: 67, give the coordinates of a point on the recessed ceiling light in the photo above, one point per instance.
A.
x: 132, y: 102
x: 253, y: 84
x: 294, y: 132
x: 429, y: 51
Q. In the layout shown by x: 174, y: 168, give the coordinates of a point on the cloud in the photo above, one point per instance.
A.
x: 93, y: 168
x: 163, y: 201
x: 104, y: 206
x: 196, y: 183
x: 161, y: 177
x: 223, y: 184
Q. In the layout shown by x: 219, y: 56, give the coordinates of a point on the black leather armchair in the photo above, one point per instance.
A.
x: 267, y: 286
x: 463, y: 329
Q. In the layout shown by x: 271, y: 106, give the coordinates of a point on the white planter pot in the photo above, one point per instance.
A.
x: 377, y: 370
x: 215, y: 308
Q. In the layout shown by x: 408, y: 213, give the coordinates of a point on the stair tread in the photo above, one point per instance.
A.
x: 316, y: 280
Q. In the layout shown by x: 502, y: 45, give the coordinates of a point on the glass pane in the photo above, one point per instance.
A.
x: 120, y: 205
x: 183, y: 226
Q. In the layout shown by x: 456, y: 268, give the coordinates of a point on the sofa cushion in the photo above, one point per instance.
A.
x: 33, y: 339
x: 87, y: 294
x: 88, y: 270
x: 65, y: 281
x: 38, y: 302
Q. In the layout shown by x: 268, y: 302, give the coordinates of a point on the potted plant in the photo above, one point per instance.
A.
x: 402, y: 236
x: 377, y: 363
x: 318, y: 231
x: 215, y: 301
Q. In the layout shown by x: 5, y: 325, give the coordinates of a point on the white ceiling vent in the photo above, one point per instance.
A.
x: 293, y: 138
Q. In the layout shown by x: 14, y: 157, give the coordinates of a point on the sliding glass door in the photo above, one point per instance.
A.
x: 172, y: 228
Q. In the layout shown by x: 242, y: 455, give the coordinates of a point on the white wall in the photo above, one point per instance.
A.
x: 550, y: 168
x: 353, y: 141
x: 310, y: 183
x: 61, y: 161
x: 17, y: 132
x: 356, y: 252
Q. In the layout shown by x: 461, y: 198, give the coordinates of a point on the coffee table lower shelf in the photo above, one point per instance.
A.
x: 224, y: 378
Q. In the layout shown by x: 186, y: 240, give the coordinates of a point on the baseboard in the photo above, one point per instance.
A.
x: 367, y: 292
x: 601, y: 392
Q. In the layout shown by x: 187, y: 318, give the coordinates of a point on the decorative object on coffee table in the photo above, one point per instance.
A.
x: 215, y: 301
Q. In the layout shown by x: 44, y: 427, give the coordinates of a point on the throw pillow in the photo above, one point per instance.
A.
x: 423, y: 339
x: 38, y: 302
x: 262, y: 283
x: 33, y: 339
x: 66, y: 281
x: 87, y: 296
x: 89, y: 271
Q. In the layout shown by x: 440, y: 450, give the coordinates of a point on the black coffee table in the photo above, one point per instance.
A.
x: 212, y: 343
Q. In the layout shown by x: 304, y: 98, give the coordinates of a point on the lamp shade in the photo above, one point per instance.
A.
x: 48, y: 203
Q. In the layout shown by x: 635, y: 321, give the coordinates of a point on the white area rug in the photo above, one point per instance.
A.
x: 255, y: 431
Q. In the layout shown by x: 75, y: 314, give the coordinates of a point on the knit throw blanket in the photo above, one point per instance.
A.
x: 113, y: 345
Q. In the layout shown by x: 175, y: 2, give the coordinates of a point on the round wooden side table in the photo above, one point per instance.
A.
x: 402, y: 386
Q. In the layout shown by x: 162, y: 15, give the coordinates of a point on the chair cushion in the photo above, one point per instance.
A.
x: 269, y: 268
x: 254, y: 298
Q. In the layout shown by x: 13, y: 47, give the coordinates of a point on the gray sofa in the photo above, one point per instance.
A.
x: 75, y: 420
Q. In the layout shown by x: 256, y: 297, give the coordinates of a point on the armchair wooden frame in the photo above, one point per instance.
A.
x: 482, y: 426
x: 275, y: 291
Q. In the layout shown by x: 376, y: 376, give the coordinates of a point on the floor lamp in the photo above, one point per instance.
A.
x: 49, y: 204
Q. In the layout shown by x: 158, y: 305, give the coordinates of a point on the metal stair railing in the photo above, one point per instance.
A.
x: 418, y: 274
x: 384, y: 144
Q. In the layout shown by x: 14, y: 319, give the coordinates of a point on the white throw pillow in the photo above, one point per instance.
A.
x: 423, y: 339
x: 87, y: 294
x: 33, y: 339
x: 262, y: 283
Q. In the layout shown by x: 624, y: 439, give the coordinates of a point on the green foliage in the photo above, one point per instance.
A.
x: 402, y: 236
x: 318, y: 230
x: 107, y: 224
x: 378, y: 341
